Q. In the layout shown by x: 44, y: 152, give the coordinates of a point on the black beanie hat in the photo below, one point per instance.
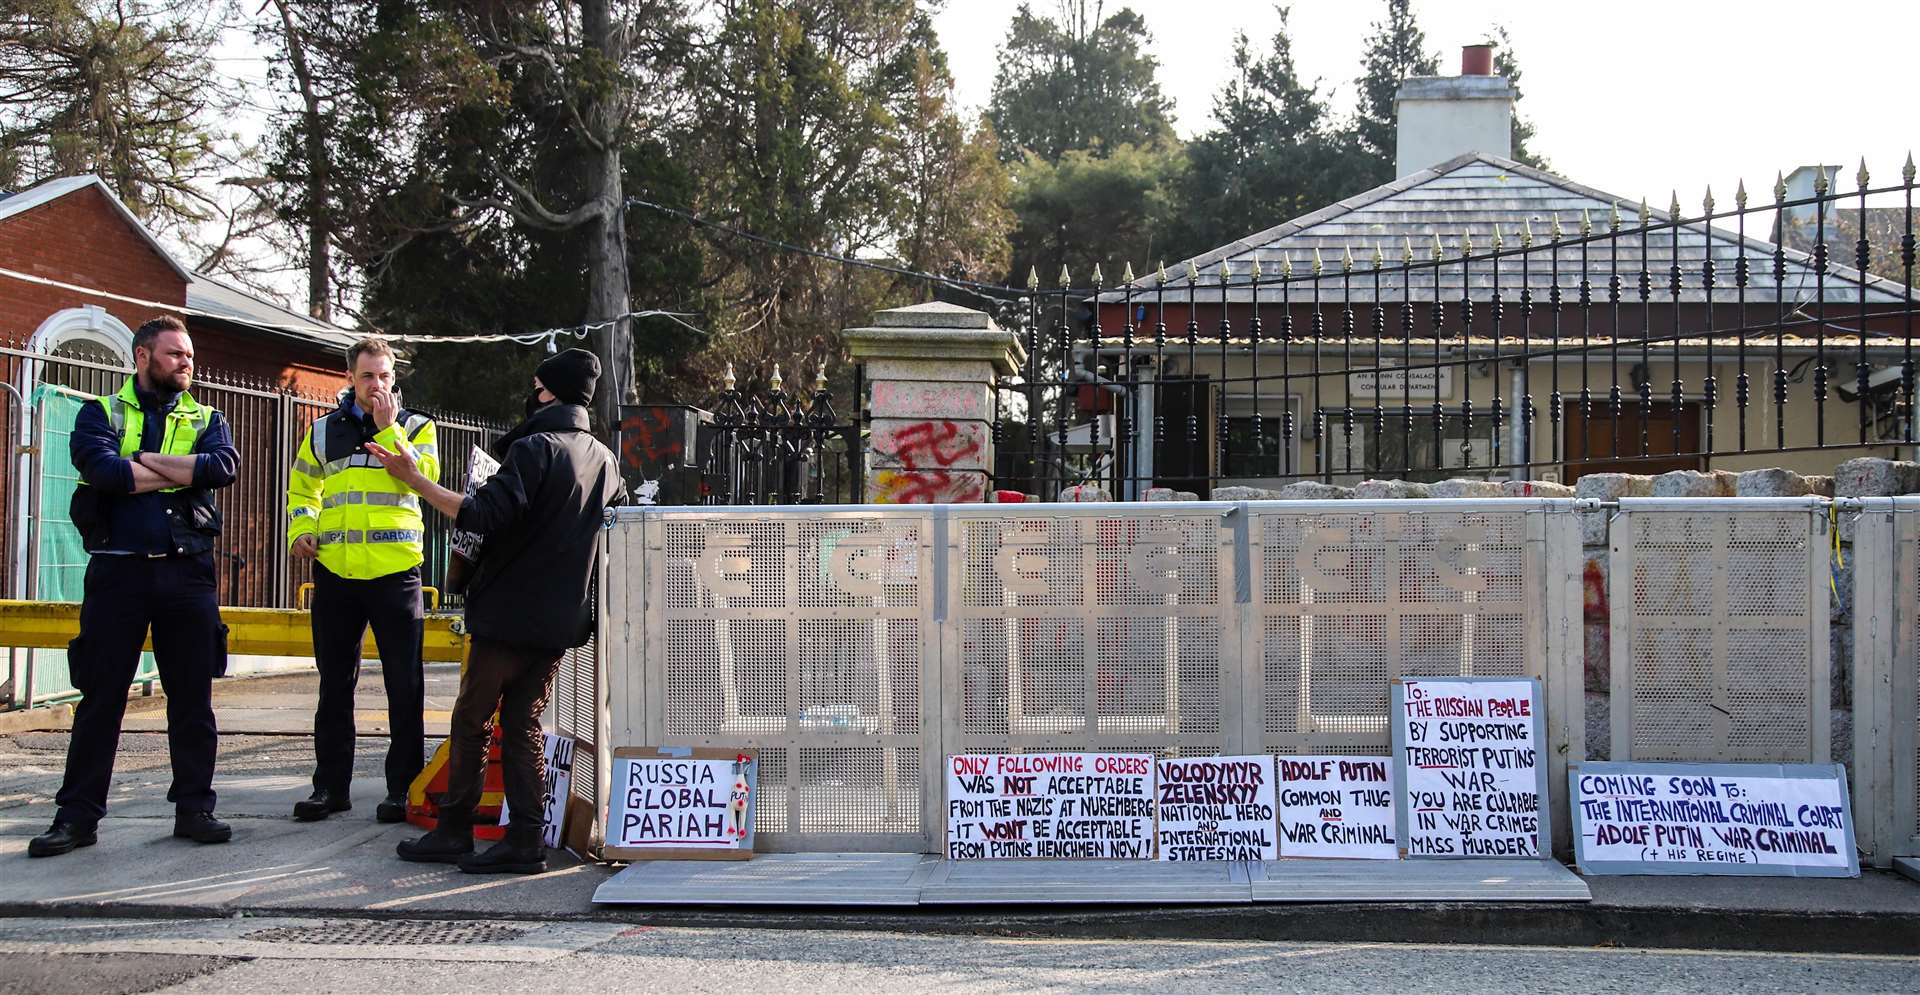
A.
x: 571, y: 376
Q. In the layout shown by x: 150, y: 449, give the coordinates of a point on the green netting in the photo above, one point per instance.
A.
x: 62, y: 558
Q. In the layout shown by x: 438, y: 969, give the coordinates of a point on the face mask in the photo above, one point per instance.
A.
x: 533, y: 402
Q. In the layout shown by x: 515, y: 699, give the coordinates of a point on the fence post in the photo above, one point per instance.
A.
x: 930, y: 372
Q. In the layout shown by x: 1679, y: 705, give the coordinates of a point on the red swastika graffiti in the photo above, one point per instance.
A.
x: 932, y: 444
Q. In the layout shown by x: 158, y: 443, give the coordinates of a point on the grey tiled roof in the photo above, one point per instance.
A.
x: 1465, y: 198
x: 215, y: 298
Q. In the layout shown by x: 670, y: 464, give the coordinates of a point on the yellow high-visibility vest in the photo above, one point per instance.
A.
x: 184, y: 423
x: 367, y: 524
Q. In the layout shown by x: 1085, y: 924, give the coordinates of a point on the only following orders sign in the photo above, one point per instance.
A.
x: 1788, y: 820
x: 1468, y: 773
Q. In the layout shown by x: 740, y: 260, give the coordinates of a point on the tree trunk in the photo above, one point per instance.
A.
x: 607, y: 298
x: 319, y: 209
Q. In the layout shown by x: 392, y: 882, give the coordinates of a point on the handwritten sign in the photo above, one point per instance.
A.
x: 559, y: 783
x: 1060, y: 805
x: 1646, y: 818
x: 1468, y: 773
x: 681, y: 802
x: 1216, y: 808
x: 1337, y: 807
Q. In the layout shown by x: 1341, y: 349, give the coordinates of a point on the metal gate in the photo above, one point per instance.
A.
x: 855, y: 647
x: 1719, y: 618
x: 1886, y: 710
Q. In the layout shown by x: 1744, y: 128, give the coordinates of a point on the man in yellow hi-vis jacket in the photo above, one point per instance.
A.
x: 363, y: 529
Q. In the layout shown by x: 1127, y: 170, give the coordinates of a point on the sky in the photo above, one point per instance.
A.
x: 1635, y: 97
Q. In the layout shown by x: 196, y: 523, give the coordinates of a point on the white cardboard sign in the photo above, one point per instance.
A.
x: 1337, y: 807
x: 1216, y: 808
x: 1057, y: 805
x: 1789, y: 820
x: 1469, y: 776
x: 559, y: 757
x: 681, y: 800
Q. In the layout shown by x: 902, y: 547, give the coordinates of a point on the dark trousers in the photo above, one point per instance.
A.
x: 518, y: 682
x: 342, y: 611
x: 125, y: 595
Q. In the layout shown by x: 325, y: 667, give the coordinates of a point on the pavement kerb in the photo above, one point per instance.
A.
x: 1537, y: 924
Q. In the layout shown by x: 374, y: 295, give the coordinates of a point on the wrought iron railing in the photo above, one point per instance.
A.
x: 1587, y: 337
x: 779, y: 447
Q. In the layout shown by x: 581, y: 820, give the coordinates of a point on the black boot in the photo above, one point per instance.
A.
x: 201, y: 827
x: 394, y: 809
x: 64, y: 837
x: 451, y: 840
x: 522, y: 852
x: 321, y: 804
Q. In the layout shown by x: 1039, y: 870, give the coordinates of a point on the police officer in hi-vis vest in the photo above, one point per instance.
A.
x: 149, y: 458
x: 363, y: 530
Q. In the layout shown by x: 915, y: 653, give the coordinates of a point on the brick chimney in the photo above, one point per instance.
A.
x: 1441, y: 117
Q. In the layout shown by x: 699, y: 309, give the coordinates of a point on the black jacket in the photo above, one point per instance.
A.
x: 541, y: 513
x: 111, y: 518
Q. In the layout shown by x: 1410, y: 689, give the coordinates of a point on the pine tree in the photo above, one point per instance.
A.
x: 1504, y: 64
x: 1396, y: 50
x: 1077, y: 81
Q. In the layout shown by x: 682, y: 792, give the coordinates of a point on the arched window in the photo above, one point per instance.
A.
x: 88, y: 334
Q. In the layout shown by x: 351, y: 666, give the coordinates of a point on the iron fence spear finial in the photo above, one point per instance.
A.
x: 1317, y: 266
x: 1526, y: 233
x: 1193, y: 272
x: 1286, y: 267
x: 1065, y: 280
x: 1466, y: 244
x: 1126, y: 275
x: 1253, y: 271
x: 1861, y: 176
x: 1097, y: 278
x: 1673, y: 208
x: 1820, y: 181
x: 1906, y: 172
x: 1033, y: 278
x: 1586, y: 219
x: 1706, y: 203
x: 1439, y: 251
x: 1613, y: 219
x: 726, y: 380
x: 1740, y: 196
x: 1163, y: 271
x: 774, y: 384
x: 1779, y: 187
x: 1406, y: 250
x: 1346, y: 260
x: 1498, y: 242
x: 1378, y: 256
x: 1225, y: 274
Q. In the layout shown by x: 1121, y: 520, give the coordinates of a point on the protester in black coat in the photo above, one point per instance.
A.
x: 530, y: 600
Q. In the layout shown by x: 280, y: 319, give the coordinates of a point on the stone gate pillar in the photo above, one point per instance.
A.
x: 930, y: 370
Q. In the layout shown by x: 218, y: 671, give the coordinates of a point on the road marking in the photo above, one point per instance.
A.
x: 395, y: 903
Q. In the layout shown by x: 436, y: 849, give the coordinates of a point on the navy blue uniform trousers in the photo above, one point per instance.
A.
x: 342, y: 611
x: 177, y: 597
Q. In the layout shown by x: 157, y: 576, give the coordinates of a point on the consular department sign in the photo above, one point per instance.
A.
x: 1427, y: 382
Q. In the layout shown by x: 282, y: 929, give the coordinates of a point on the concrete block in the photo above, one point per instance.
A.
x: 1378, y: 490
x: 1821, y: 486
x: 1840, y: 669
x: 1870, y: 477
x: 931, y: 370
x: 1695, y: 483
x: 1593, y: 584
x: 1598, y: 661
x: 897, y: 486
x: 54, y: 718
x: 1084, y: 493
x: 1613, y: 486
x: 929, y: 444
x: 1772, y: 482
x: 1840, y: 592
x: 1599, y: 726
x: 1534, y: 489
x: 923, y: 400
x: 1169, y: 494
x: 1841, y: 741
x: 1460, y: 487
x: 1313, y: 490
x: 1244, y: 494
x: 1607, y: 487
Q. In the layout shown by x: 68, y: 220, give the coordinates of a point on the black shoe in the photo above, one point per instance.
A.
x: 507, y: 857
x: 321, y: 804
x: 201, y: 827
x: 394, y: 809
x: 64, y: 837
x: 445, y: 845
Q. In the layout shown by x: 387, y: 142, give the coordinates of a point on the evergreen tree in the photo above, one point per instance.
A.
x: 1395, y: 50
x: 1078, y: 80
x: 1504, y: 64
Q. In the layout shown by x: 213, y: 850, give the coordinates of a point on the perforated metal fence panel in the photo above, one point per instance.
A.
x: 855, y: 647
x: 1886, y: 694
x: 1719, y: 617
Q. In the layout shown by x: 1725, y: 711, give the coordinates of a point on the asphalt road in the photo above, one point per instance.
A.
x: 55, y: 957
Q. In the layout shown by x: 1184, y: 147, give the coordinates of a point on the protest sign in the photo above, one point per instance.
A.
x: 1216, y: 808
x: 1337, y: 807
x: 684, y: 803
x: 1060, y: 805
x: 1468, y: 774
x: 1788, y: 820
x: 559, y: 784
